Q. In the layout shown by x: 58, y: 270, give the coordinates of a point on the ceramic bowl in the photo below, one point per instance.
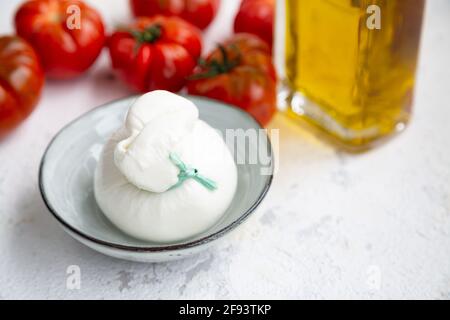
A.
x: 68, y: 166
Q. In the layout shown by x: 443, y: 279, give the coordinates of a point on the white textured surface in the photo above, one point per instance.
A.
x: 332, y: 225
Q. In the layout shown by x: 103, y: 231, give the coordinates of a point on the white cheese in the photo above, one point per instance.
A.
x: 134, y: 177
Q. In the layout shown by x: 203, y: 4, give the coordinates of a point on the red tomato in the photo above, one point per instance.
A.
x: 21, y: 81
x: 198, y: 12
x: 256, y: 17
x: 239, y: 72
x: 156, y: 53
x: 68, y: 35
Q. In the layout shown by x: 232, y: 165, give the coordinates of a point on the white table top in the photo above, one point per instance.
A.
x: 375, y: 225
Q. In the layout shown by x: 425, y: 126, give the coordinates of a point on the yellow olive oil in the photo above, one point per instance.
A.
x: 349, y: 65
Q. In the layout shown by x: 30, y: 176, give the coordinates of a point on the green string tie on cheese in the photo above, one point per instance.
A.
x: 187, y: 172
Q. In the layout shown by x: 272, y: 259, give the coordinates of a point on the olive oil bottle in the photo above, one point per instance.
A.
x: 348, y: 66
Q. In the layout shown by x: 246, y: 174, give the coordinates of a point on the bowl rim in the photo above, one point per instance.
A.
x: 163, y: 248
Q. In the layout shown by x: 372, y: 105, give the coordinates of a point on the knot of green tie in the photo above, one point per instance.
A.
x: 187, y: 172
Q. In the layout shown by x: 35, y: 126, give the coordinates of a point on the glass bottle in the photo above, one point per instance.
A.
x: 348, y: 66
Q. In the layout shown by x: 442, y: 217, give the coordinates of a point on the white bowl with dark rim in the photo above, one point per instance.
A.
x: 67, y: 172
